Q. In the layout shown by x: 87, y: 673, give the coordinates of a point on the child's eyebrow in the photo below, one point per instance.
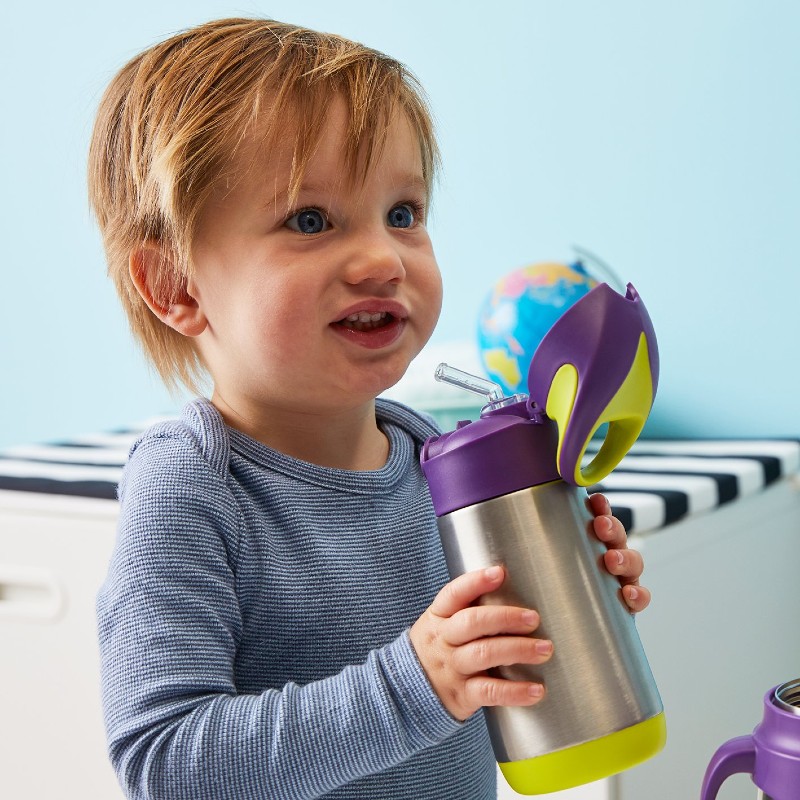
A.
x: 411, y: 181
x: 280, y: 192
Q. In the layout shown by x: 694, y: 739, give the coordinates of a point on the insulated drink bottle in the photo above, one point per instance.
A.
x: 771, y: 754
x: 508, y: 490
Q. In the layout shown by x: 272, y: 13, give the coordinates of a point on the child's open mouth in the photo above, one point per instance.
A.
x: 373, y: 329
x: 364, y: 321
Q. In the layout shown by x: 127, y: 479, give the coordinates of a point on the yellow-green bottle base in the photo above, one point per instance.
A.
x: 587, y: 762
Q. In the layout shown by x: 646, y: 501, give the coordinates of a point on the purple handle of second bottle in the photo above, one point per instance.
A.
x: 736, y: 755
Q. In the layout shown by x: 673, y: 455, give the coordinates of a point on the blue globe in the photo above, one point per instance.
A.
x: 517, y: 313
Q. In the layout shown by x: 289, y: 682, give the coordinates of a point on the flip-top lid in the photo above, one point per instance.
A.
x: 597, y: 365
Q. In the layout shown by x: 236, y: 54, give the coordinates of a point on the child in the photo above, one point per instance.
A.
x: 273, y: 624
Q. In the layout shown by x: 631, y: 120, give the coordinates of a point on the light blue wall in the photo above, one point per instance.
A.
x: 665, y: 137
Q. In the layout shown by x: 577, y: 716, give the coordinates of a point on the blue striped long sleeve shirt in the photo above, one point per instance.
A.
x: 253, y: 625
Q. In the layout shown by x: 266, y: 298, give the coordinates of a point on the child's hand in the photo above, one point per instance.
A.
x: 621, y: 561
x: 457, y: 643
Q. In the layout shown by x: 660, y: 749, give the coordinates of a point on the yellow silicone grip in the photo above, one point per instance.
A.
x: 587, y: 762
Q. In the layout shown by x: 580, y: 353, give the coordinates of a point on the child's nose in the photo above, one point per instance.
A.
x: 375, y: 258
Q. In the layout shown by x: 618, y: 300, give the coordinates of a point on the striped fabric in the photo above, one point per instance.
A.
x: 658, y: 483
x: 86, y: 466
x: 662, y: 481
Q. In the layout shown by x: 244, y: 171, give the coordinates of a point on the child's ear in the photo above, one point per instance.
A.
x: 180, y: 310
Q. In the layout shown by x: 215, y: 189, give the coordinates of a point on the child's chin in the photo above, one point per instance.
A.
x: 381, y: 378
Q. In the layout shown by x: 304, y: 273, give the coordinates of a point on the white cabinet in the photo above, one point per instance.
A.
x: 53, y: 555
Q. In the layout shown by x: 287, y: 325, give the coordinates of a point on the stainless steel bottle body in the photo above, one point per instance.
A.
x: 598, y: 680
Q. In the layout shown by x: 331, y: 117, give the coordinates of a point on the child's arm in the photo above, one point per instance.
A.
x: 179, y: 723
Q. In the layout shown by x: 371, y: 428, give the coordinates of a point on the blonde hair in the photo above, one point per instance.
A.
x: 171, y: 119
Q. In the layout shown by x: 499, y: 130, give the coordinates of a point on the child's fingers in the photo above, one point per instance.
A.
x: 626, y: 564
x: 483, y: 690
x: 464, y: 590
x: 636, y: 597
x: 607, y: 528
x: 598, y: 504
x: 477, y: 622
x: 619, y: 560
x: 500, y: 651
x: 610, y: 531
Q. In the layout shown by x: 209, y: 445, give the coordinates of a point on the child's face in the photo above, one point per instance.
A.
x: 320, y: 306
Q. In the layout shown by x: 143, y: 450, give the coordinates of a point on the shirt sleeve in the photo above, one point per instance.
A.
x: 169, y: 622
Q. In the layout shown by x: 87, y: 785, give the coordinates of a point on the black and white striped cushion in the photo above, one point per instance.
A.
x: 663, y: 481
x: 657, y: 483
x: 87, y: 466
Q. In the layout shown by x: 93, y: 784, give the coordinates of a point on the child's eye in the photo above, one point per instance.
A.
x: 308, y: 221
x: 403, y: 216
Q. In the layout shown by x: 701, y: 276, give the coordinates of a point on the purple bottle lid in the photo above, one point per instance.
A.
x: 598, y: 364
x: 504, y: 451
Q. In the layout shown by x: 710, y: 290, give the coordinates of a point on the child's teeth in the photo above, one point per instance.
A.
x: 363, y: 320
x: 363, y: 316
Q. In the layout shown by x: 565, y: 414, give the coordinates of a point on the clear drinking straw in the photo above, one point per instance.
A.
x: 472, y: 383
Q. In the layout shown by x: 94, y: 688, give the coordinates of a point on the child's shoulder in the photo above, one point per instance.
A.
x: 419, y: 424
x: 197, y: 437
x: 175, y: 486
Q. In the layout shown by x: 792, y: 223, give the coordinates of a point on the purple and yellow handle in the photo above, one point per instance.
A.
x: 611, y: 377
